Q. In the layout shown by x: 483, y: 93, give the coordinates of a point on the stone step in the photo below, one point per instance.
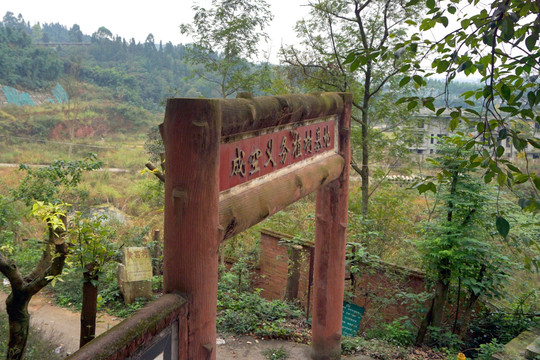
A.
x: 533, y: 350
x: 516, y: 349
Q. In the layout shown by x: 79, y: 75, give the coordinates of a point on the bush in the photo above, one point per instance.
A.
x: 444, y: 340
x: 243, y: 312
x: 248, y: 313
x: 503, y: 325
x: 487, y: 351
x: 398, y: 332
x: 351, y: 345
x: 26, y: 256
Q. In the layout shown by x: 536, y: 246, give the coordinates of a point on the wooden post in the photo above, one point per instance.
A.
x: 192, y: 138
x: 89, y: 310
x: 330, y: 243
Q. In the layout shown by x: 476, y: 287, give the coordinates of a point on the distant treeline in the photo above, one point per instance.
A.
x: 139, y: 73
x: 21, y: 63
x: 142, y: 74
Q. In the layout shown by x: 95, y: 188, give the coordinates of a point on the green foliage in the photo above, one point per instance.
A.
x: 124, y: 311
x: 225, y: 35
x: 449, y: 94
x: 380, y: 349
x: 133, y: 235
x: 92, y: 245
x: 50, y: 214
x: 52, y: 182
x: 503, y: 324
x: 153, y: 145
x: 390, y: 226
x: 460, y: 239
x: 399, y: 332
x: 68, y: 292
x: 25, y: 256
x: 9, y: 218
x: 351, y: 345
x: 459, y: 246
x: 497, y: 41
x: 296, y: 219
x: 444, y: 340
x: 243, y: 312
x: 23, y: 64
x: 348, y: 46
x: 275, y: 353
x: 134, y: 73
x: 357, y: 258
x: 248, y: 313
x: 487, y: 351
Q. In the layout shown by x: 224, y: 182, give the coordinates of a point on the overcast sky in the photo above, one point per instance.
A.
x: 137, y: 19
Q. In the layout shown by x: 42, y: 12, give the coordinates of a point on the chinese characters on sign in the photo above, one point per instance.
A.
x: 246, y: 159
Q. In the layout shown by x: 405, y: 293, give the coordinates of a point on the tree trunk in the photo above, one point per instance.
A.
x: 157, y: 254
x: 365, y: 141
x: 422, y: 330
x: 365, y: 169
x: 19, y: 321
x: 434, y: 315
x: 22, y: 289
x: 466, y: 318
x: 293, y: 278
x: 473, y: 298
x: 89, y: 309
x: 441, y: 294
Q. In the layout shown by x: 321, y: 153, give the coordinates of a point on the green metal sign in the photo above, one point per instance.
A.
x: 352, y: 315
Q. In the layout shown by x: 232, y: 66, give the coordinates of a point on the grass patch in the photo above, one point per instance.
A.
x: 275, y: 353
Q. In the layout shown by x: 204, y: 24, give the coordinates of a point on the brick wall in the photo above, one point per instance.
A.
x: 379, y: 289
x: 378, y: 286
x: 274, y: 266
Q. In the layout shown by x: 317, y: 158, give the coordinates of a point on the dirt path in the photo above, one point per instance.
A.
x: 247, y: 347
x: 61, y: 323
x: 64, y: 325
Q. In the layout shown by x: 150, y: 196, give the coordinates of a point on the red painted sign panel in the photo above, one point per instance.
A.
x: 246, y: 159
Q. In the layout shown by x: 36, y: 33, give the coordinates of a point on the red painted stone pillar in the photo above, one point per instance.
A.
x: 330, y: 243
x: 191, y: 132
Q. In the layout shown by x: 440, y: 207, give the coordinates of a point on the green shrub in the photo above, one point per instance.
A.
x: 244, y: 312
x: 25, y: 255
x: 444, y: 340
x: 487, y: 351
x: 351, y: 345
x: 399, y: 332
x: 504, y: 324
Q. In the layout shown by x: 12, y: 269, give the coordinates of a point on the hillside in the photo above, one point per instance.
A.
x: 41, y: 55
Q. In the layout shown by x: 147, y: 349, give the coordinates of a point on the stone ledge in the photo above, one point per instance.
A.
x: 124, y: 339
x: 516, y: 348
